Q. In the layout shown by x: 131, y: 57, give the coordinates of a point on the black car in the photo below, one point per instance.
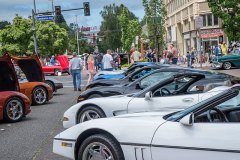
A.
x: 152, y: 78
x: 129, y: 78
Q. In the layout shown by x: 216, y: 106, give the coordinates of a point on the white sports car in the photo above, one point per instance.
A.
x: 174, y: 92
x: 208, y: 130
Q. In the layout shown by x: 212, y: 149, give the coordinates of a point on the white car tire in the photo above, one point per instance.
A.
x: 100, y: 146
x: 90, y: 113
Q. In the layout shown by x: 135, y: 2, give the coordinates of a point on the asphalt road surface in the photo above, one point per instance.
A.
x: 31, y: 139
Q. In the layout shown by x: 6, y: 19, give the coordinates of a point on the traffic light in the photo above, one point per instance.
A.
x: 57, y: 10
x: 86, y: 8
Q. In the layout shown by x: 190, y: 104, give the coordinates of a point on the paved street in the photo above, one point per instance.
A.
x: 32, y: 138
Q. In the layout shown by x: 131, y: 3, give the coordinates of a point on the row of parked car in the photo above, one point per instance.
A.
x: 153, y: 111
x: 22, y: 84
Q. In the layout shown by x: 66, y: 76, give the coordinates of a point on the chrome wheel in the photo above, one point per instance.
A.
x: 97, y: 151
x: 39, y: 95
x: 14, y: 110
x: 227, y: 65
x: 89, y: 115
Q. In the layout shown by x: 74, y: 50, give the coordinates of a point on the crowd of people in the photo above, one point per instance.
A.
x: 92, y: 62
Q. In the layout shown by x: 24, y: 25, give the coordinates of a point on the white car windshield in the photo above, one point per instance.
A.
x: 229, y: 101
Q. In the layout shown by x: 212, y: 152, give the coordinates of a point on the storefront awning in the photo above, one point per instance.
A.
x: 211, y: 33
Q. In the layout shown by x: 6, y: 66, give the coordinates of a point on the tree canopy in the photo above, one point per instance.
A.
x: 155, y: 15
x: 129, y: 28
x: 229, y: 12
x: 3, y: 24
x: 17, y: 38
x: 110, y: 29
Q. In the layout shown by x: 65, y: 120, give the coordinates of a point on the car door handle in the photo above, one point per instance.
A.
x: 188, y: 100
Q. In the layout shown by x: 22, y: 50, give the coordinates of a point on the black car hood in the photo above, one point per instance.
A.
x: 104, y: 89
x: 8, y: 77
x: 31, y: 67
x: 105, y: 82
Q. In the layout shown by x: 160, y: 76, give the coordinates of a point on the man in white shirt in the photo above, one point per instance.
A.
x: 107, y: 61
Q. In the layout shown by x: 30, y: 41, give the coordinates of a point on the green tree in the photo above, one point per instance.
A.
x: 129, y: 28
x: 110, y: 28
x: 229, y: 12
x: 3, y: 24
x: 51, y: 38
x: 155, y: 14
x: 15, y: 38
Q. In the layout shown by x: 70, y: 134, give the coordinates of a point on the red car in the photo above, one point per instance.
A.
x: 13, y: 104
x: 62, y: 67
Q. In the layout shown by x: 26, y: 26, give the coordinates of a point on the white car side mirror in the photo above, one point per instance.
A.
x: 188, y: 120
x: 148, y: 96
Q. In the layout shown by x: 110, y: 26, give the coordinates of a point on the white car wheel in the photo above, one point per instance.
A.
x: 100, y: 147
x: 90, y: 113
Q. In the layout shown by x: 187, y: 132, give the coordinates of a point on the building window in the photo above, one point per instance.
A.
x: 209, y: 17
x: 204, y: 21
x: 215, y: 18
x: 210, y: 20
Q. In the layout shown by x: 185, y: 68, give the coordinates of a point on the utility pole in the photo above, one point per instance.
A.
x: 34, y: 33
x: 34, y: 28
x: 77, y: 35
x: 155, y: 32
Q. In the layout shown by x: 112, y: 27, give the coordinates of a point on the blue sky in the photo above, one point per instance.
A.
x: 9, y: 8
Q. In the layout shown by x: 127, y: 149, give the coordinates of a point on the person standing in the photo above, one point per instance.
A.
x: 224, y: 48
x: 174, y: 53
x: 165, y: 56
x: 136, y: 56
x: 107, y: 61
x: 52, y: 60
x: 91, y: 68
x: 192, y: 56
x: 188, y: 59
x: 75, y: 67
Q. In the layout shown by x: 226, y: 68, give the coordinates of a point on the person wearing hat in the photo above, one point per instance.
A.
x: 75, y: 67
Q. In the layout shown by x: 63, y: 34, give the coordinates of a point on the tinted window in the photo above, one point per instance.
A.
x: 154, y: 78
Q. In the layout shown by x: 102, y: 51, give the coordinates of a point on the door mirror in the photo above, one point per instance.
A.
x: 138, y: 86
x: 188, y: 120
x: 148, y: 96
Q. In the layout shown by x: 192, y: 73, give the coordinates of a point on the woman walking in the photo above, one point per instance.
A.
x: 91, y: 68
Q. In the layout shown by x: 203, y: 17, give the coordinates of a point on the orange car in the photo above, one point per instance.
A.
x: 34, y: 88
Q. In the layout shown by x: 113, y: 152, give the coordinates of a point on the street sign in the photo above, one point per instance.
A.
x: 199, y: 22
x: 45, y: 18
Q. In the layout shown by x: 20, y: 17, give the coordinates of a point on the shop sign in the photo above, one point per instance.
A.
x: 211, y: 33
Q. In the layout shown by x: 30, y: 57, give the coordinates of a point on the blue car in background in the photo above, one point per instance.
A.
x: 122, y: 74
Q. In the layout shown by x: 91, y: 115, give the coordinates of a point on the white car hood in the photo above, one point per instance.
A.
x: 134, y: 128
x: 108, y: 108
